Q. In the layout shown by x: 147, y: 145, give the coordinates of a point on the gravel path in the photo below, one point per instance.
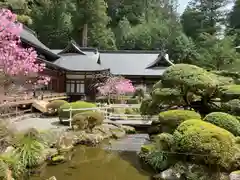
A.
x: 39, y: 123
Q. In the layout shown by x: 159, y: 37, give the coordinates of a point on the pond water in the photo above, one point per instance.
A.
x: 117, y: 161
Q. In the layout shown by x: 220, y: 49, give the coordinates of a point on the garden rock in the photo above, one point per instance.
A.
x: 235, y: 175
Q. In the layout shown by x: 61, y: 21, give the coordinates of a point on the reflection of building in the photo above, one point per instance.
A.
x: 73, y: 69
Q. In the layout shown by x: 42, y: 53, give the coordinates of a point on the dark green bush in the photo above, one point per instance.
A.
x: 75, y: 105
x: 169, y: 120
x: 213, y: 144
x: 232, y: 107
x: 225, y: 121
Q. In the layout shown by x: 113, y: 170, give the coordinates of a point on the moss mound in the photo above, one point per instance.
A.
x: 232, y: 106
x: 169, y: 120
x: 225, y: 121
x: 75, y: 105
x: 205, y: 142
x: 230, y: 92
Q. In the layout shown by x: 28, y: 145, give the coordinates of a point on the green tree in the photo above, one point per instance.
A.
x: 90, y: 22
x: 52, y: 22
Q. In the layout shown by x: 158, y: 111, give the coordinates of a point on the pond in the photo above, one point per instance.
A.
x: 118, y: 161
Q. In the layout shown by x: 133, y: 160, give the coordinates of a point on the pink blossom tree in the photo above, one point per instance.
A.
x: 115, y: 86
x: 17, y: 62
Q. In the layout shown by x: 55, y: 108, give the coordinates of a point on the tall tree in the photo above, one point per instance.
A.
x: 204, y: 16
x: 90, y: 22
x: 233, y: 26
x: 52, y: 22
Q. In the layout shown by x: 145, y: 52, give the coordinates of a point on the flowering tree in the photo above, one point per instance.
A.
x: 16, y: 62
x: 115, y: 86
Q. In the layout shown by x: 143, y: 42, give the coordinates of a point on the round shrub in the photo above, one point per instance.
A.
x: 232, y: 106
x: 169, y: 120
x: 55, y: 105
x: 75, y: 105
x: 206, y: 142
x: 79, y: 122
x: 225, y: 121
x: 94, y: 118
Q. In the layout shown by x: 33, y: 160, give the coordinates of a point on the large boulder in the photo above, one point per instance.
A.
x: 206, y: 142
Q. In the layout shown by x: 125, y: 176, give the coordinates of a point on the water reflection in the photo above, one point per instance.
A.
x: 89, y: 163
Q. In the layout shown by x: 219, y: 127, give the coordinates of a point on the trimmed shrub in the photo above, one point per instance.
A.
x: 232, y: 106
x: 87, y: 120
x: 229, y: 92
x: 54, y: 105
x: 79, y: 122
x: 75, y: 105
x: 225, y: 121
x: 169, y: 120
x: 199, y: 137
x: 94, y: 118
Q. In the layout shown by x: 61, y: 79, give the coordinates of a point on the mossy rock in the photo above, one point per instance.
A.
x: 206, y: 142
x: 53, y: 106
x: 225, y: 121
x: 74, y: 105
x: 169, y: 120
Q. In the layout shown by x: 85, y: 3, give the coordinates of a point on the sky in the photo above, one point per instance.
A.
x: 183, y: 5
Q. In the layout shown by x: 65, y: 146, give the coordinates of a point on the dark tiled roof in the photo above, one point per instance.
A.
x: 28, y: 36
x: 131, y: 63
x: 76, y: 62
x: 72, y: 47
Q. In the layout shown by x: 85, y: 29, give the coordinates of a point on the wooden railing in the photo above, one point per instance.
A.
x: 115, y: 116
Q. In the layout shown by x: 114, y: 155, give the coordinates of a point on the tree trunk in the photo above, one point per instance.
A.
x: 85, y: 35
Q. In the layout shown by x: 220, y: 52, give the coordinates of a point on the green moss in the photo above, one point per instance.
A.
x: 58, y: 158
x: 225, y: 121
x: 147, y: 148
x: 74, y: 105
x: 230, y: 92
x: 206, y: 141
x: 169, y: 120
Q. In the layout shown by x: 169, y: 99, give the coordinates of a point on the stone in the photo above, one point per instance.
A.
x: 50, y: 152
x: 9, y: 149
x: 168, y: 174
x: 235, y: 175
x: 65, y: 143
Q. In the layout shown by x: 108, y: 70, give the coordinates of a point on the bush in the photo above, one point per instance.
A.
x: 54, y: 105
x: 75, y: 105
x: 232, y: 106
x: 225, y: 121
x: 199, y: 137
x: 79, y: 121
x: 164, y: 141
x: 87, y: 120
x: 169, y: 120
x: 229, y: 92
x: 132, y: 101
